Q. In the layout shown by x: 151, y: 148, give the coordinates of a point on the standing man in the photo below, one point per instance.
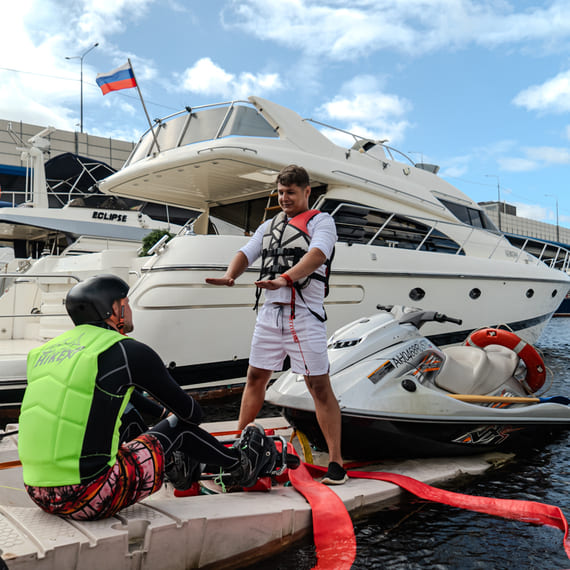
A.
x: 296, y: 248
x: 74, y: 461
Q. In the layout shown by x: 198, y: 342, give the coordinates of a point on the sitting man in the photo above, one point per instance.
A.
x: 79, y: 387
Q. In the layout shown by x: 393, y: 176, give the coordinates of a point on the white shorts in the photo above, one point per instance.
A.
x: 273, y: 340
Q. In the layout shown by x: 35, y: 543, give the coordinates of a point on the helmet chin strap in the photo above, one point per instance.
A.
x: 119, y: 322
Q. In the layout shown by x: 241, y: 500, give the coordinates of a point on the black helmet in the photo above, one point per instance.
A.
x: 91, y: 301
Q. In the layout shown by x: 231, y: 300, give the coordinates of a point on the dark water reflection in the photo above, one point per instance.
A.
x: 419, y: 535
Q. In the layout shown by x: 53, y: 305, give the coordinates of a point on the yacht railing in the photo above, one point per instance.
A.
x: 212, y: 121
x: 225, y: 119
x: 33, y: 315
x: 63, y: 198
x: 25, y: 278
x: 354, y: 225
x: 358, y: 140
x: 553, y: 255
x: 228, y: 118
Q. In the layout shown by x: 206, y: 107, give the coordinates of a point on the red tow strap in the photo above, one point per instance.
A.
x: 332, y: 526
x: 526, y: 511
x: 334, y: 533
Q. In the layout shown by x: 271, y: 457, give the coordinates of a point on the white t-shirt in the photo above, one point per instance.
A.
x: 322, y: 230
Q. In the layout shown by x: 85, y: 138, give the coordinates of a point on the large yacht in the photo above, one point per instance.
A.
x: 405, y: 236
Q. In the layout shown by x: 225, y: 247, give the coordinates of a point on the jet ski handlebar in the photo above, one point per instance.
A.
x: 441, y: 318
x: 418, y: 317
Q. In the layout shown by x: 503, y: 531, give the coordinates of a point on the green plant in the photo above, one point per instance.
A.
x: 150, y: 239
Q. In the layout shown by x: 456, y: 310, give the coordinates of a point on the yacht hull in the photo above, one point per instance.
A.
x: 203, y: 332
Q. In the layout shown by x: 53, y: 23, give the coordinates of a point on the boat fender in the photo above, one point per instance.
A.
x: 536, y: 371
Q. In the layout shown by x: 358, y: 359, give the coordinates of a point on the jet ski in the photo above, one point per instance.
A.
x: 402, y: 396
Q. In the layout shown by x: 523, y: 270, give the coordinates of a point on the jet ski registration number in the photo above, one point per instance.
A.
x: 410, y: 352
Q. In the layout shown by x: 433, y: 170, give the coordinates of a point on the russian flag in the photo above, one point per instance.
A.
x: 120, y: 78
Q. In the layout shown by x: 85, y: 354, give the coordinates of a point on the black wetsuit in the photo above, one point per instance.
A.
x: 132, y: 363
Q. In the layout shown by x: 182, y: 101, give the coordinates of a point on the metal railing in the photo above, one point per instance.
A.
x: 556, y: 257
x: 181, y: 122
x: 40, y: 275
x: 219, y: 131
x: 61, y: 197
x: 33, y: 315
x: 25, y: 278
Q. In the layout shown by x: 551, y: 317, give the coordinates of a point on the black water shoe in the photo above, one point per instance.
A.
x: 335, y: 475
x: 257, y: 456
x: 182, y: 471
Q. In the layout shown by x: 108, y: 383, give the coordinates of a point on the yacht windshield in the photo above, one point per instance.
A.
x: 470, y: 216
x: 202, y: 124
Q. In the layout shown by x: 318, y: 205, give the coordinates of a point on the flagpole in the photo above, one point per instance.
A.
x: 144, y: 106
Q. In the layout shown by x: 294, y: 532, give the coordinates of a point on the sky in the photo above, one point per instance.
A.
x: 481, y: 88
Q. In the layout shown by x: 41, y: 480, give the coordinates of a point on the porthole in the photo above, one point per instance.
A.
x: 475, y: 293
x: 530, y: 293
x: 417, y: 294
x: 555, y: 292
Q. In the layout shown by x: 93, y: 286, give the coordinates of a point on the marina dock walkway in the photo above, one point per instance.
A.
x: 166, y: 532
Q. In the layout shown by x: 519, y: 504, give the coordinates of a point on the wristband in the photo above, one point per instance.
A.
x: 288, y: 279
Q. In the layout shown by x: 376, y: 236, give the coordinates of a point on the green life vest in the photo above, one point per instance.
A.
x: 56, y: 405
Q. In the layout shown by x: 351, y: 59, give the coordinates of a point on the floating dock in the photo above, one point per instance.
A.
x: 165, y: 532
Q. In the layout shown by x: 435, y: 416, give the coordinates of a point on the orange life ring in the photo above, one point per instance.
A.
x: 536, y: 371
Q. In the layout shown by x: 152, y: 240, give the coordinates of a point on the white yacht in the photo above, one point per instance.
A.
x: 49, y: 215
x: 46, y: 247
x: 405, y: 236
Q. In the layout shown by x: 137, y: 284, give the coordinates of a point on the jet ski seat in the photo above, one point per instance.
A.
x: 474, y: 370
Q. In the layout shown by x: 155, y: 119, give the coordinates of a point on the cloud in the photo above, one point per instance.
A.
x: 535, y: 158
x: 517, y: 164
x: 552, y: 96
x: 456, y: 167
x: 532, y: 211
x: 341, y: 31
x: 549, y: 154
x: 207, y: 78
x: 107, y: 17
x: 539, y: 212
x: 41, y: 86
x: 364, y: 109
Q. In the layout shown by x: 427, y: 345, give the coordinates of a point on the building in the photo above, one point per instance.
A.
x: 510, y: 223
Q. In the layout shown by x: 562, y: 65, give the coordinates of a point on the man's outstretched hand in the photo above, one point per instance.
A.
x: 272, y: 284
x: 227, y: 281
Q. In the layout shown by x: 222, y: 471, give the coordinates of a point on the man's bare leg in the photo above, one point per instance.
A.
x: 253, y: 395
x: 328, y: 413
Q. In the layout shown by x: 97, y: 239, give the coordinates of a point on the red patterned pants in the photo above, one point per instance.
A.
x: 137, y: 473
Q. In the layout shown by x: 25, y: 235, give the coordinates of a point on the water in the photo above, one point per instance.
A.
x: 420, y: 535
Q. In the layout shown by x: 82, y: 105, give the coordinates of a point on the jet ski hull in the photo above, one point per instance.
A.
x: 384, y: 437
